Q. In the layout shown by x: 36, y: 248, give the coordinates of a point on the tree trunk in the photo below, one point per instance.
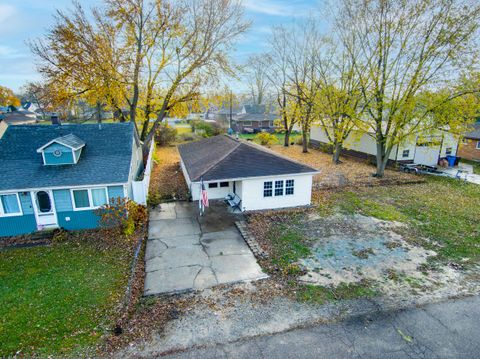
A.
x: 287, y: 138
x: 305, y: 141
x: 144, y: 129
x: 337, y: 149
x: 383, y: 155
x: 99, y: 112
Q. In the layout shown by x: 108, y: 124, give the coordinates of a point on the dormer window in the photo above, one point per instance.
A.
x: 65, y: 150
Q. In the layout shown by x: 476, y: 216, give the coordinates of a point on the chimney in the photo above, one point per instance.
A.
x: 55, y: 120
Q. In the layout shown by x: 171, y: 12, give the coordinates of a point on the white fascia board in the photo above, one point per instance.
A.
x: 40, y: 149
x: 260, y: 177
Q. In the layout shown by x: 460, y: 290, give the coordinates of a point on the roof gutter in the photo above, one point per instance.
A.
x: 258, y: 177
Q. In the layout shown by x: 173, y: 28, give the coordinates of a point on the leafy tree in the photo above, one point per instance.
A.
x: 338, y: 105
x: 153, y: 53
x: 8, y: 98
x: 401, y: 51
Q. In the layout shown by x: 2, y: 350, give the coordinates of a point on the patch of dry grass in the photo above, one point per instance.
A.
x: 351, y: 172
x: 167, y: 181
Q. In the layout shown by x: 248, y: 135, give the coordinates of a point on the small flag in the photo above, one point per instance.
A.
x: 203, y: 202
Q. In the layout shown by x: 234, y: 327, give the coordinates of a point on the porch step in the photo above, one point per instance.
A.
x: 251, y: 241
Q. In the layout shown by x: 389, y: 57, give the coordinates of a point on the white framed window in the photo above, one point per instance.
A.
x: 10, y: 205
x: 448, y: 151
x: 405, y: 153
x: 224, y: 184
x: 247, y: 123
x: 89, y: 198
x: 278, y: 188
x: 478, y: 145
x: 213, y: 185
x: 289, y: 187
x: 267, y: 189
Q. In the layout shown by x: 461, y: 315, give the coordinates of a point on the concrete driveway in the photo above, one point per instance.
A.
x: 187, y: 252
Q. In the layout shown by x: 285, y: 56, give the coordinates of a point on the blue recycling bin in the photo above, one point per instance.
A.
x: 451, y: 160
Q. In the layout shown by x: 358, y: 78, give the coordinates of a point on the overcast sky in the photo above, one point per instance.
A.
x: 28, y: 19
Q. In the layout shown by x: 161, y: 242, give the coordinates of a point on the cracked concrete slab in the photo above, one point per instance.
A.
x: 236, y: 268
x: 206, y: 278
x: 178, y: 257
x: 168, y: 228
x: 171, y: 280
x: 180, y: 241
x: 165, y: 211
x: 224, y: 243
x: 154, y: 248
x: 181, y: 257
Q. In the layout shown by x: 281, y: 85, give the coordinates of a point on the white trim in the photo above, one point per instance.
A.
x: 40, y: 149
x: 478, y: 145
x: 68, y: 187
x: 262, y: 177
x: 90, y: 198
x: 16, y: 214
x: 36, y: 210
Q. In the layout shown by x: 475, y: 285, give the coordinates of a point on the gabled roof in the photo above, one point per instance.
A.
x: 69, y: 140
x: 475, y: 133
x: 105, y: 159
x: 223, y: 157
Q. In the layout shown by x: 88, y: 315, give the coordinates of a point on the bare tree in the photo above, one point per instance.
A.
x: 256, y: 70
x: 277, y: 71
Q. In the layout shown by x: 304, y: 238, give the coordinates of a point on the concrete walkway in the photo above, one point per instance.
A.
x: 442, y: 330
x: 187, y: 252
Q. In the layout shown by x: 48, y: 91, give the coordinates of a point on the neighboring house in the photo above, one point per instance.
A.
x: 260, y: 178
x: 425, y: 150
x: 57, y: 176
x: 254, y: 119
x: 469, y: 148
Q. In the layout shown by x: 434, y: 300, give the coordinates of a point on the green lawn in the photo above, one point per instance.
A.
x: 280, y: 136
x: 443, y: 210
x: 57, y: 299
x: 441, y: 214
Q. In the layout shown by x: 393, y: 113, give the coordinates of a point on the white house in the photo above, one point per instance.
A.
x: 260, y: 179
x: 426, y: 150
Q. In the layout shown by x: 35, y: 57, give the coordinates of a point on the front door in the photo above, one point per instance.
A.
x: 44, y: 210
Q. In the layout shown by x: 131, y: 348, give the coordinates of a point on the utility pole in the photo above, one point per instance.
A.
x: 231, y: 109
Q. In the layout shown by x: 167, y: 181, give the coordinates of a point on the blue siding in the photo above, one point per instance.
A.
x: 78, y: 220
x: 16, y: 225
x: 65, y: 158
x: 63, y: 201
x: 115, y: 192
x: 26, y: 202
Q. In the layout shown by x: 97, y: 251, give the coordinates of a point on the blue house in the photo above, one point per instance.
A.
x: 56, y: 176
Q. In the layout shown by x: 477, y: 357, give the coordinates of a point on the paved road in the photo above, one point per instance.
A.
x: 442, y: 330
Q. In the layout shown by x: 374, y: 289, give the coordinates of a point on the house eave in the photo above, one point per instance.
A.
x: 313, y: 173
x: 63, y: 187
x: 40, y: 149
